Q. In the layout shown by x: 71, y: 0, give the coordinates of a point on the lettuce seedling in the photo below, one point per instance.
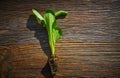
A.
x: 49, y: 21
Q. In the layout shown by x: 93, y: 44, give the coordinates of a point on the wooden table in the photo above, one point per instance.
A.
x: 89, y: 47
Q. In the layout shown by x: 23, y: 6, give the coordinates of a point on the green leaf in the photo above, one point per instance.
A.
x: 50, y: 19
x: 57, y: 33
x: 61, y: 13
x: 37, y: 14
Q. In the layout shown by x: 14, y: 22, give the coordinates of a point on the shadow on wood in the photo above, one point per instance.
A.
x: 41, y: 35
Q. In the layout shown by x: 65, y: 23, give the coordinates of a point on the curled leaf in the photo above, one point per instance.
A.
x: 60, y: 13
x: 37, y: 14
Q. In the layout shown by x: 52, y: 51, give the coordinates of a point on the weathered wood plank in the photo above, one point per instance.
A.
x: 89, y: 47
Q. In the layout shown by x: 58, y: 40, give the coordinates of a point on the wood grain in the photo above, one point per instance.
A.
x: 89, y: 47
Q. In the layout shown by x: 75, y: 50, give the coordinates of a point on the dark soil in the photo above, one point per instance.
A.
x: 53, y: 64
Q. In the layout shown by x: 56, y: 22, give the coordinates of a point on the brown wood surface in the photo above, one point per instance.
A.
x: 89, y: 47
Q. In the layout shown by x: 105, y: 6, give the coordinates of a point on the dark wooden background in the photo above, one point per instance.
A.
x: 89, y: 47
